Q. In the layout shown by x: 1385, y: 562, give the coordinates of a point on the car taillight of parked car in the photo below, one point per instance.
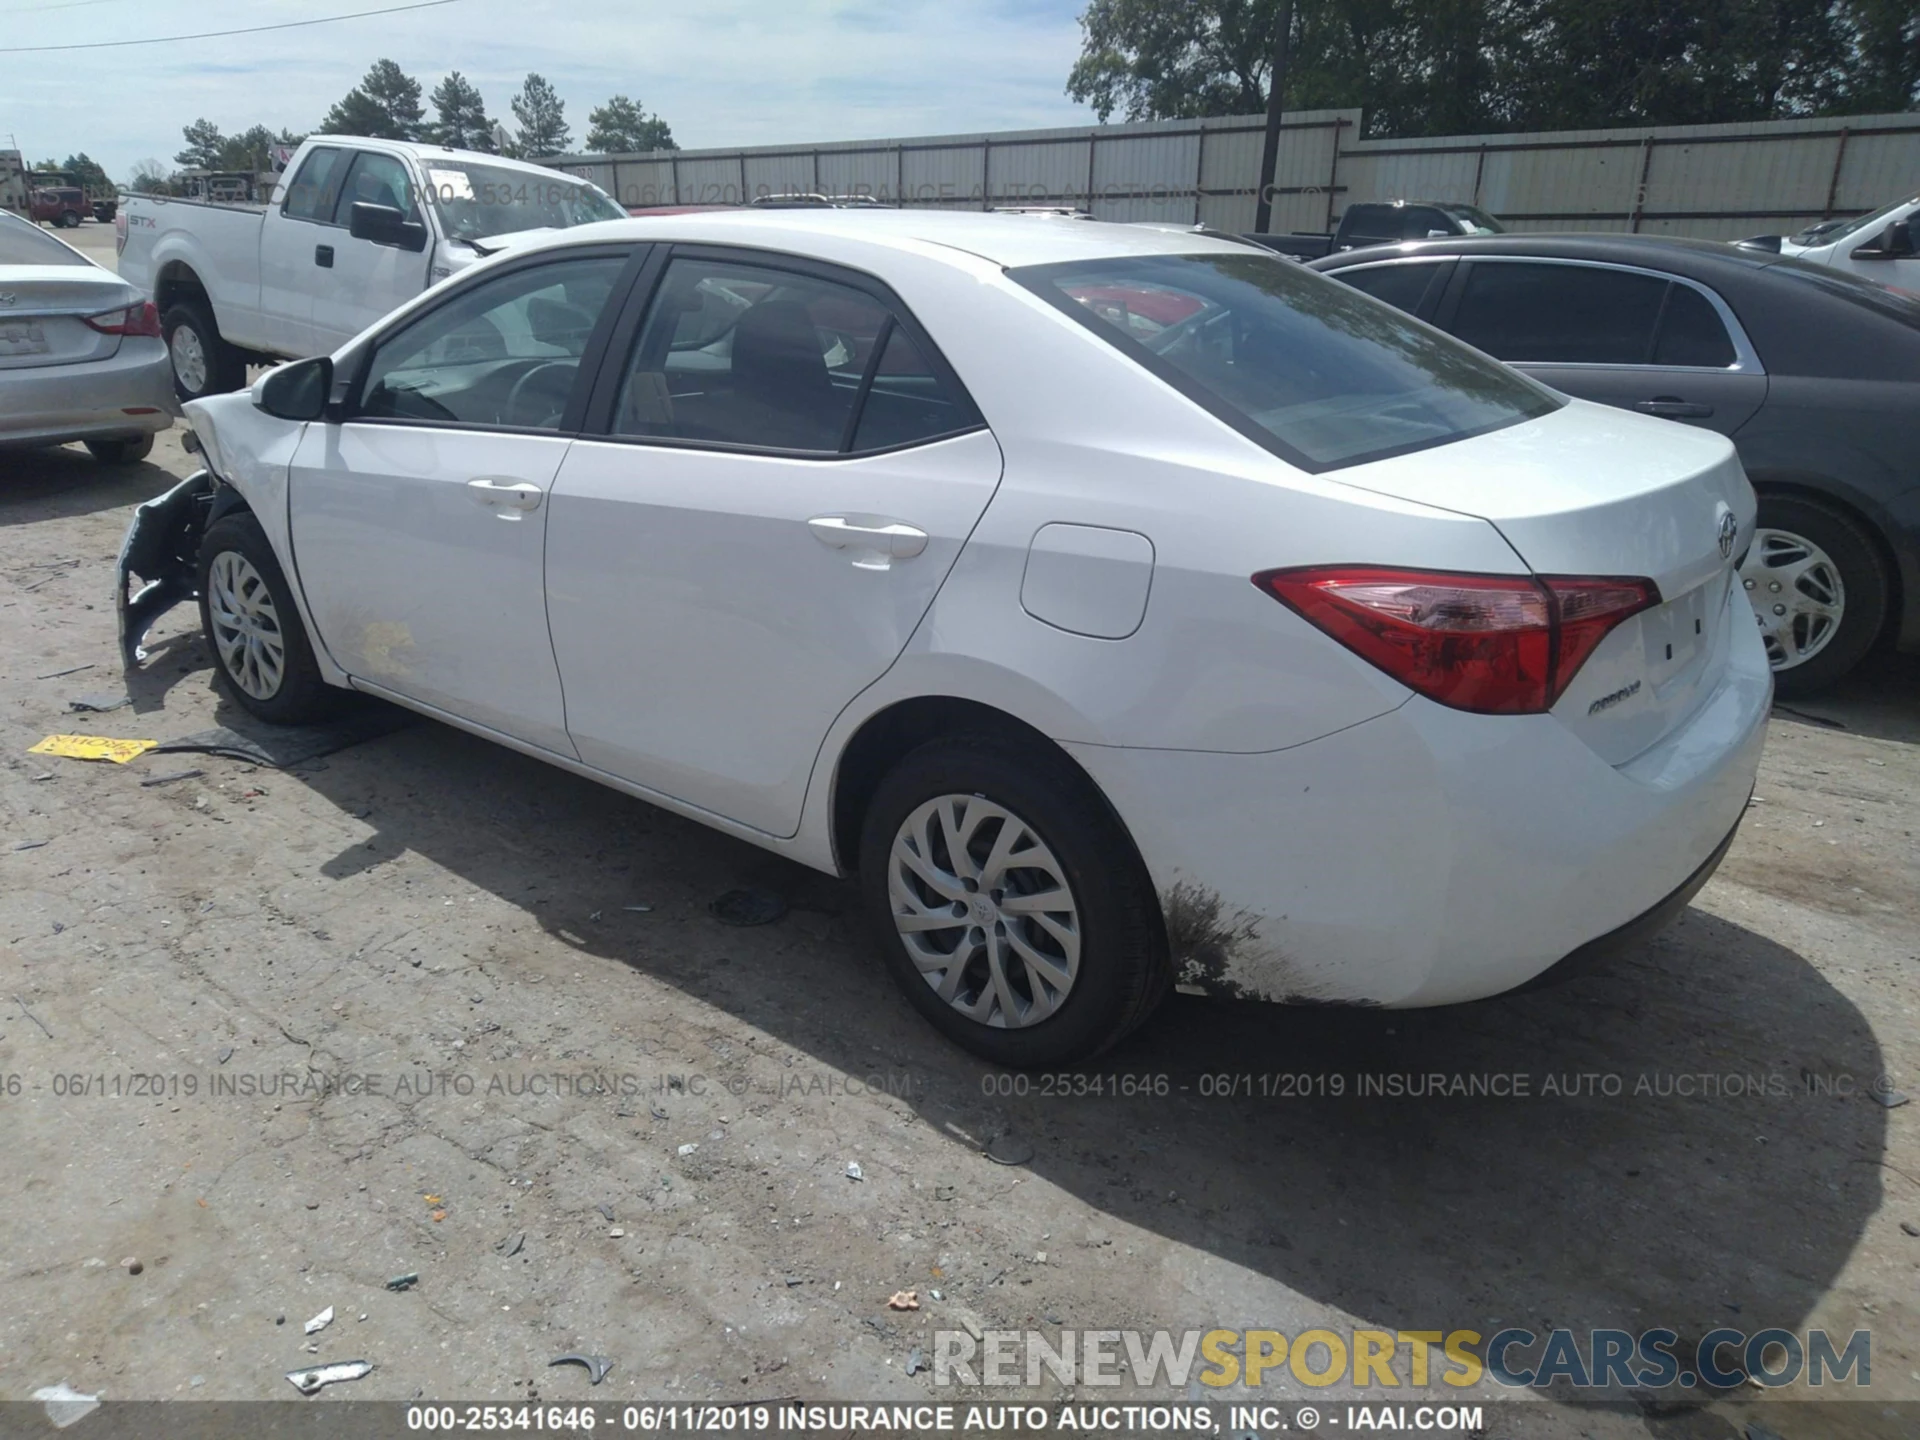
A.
x: 1492, y: 644
x: 141, y: 319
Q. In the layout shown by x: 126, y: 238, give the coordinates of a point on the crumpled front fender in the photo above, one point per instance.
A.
x: 162, y: 548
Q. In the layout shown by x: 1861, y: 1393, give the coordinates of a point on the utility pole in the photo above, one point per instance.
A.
x: 1276, y: 97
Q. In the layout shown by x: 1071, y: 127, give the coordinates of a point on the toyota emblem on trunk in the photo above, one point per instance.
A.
x: 1729, y: 528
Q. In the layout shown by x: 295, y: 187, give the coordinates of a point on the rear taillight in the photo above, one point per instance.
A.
x: 141, y: 319
x: 1494, y: 644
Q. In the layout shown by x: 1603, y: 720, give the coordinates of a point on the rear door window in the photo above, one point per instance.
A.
x: 1521, y: 311
x: 1403, y: 286
x: 316, y: 186
x: 1294, y: 361
x: 1691, y: 332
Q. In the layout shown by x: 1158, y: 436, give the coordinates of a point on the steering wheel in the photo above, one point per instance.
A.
x: 551, y: 416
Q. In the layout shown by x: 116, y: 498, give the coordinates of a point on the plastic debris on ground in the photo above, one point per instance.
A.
x: 320, y: 1321
x: 904, y: 1300
x: 170, y: 779
x: 92, y: 747
x: 597, y: 1365
x: 510, y: 1246
x: 99, y: 704
x: 65, y: 1404
x: 854, y: 1172
x: 403, y: 1282
x: 312, y: 1382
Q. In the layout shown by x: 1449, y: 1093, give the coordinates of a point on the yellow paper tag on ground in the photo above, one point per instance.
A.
x: 92, y: 747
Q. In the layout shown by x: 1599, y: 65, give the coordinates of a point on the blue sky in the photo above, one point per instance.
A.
x: 721, y: 72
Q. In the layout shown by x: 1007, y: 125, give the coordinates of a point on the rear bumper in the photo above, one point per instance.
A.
x: 89, y: 401
x: 1427, y: 857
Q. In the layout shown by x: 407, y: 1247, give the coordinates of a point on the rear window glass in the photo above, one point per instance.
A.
x: 1322, y: 376
x: 1402, y: 285
x: 22, y: 243
x: 1691, y: 332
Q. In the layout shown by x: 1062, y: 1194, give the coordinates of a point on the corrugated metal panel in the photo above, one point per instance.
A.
x: 859, y: 173
x: 787, y: 173
x: 710, y: 180
x: 1878, y: 170
x: 1046, y: 174
x: 645, y: 182
x: 598, y: 172
x: 947, y: 176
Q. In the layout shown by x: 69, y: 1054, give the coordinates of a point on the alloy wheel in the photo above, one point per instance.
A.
x: 189, y: 358
x: 246, y: 625
x: 1797, y: 593
x: 984, y: 910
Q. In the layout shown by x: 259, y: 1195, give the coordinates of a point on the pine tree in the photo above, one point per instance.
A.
x: 204, y: 143
x: 460, y: 121
x: 621, y: 127
x: 542, y: 118
x: 385, y: 105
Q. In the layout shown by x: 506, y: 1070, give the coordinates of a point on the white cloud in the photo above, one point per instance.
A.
x: 725, y: 72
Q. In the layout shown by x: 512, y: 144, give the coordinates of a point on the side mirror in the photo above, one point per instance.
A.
x: 296, y: 392
x: 1439, y: 234
x: 1896, y: 242
x: 385, y: 225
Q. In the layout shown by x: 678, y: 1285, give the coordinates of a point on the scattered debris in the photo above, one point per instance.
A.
x: 639, y: 909
x: 904, y: 1300
x: 597, y: 1365
x: 1889, y: 1097
x: 1007, y: 1150
x: 280, y: 746
x: 970, y: 1325
x: 131, y: 1264
x: 606, y: 1212
x: 616, y: 1233
x: 658, y: 1113
x: 945, y: 1192
x: 92, y: 747
x: 403, y: 1282
x: 510, y: 1246
x: 1910, y: 1227
x: 33, y: 1017
x: 99, y: 704
x: 748, y: 907
x: 65, y: 1404
x: 226, y: 1054
x: 320, y: 1321
x: 169, y: 779
x: 793, y: 1280
x: 854, y: 1172
x: 936, y: 1295
x: 20, y: 845
x: 916, y: 1362
x: 312, y: 1382
x: 70, y: 670
x: 1039, y: 1257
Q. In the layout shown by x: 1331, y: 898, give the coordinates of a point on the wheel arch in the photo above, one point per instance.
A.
x: 176, y: 281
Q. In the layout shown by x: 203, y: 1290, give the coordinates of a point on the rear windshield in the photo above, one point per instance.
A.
x: 1317, y: 372
x: 25, y: 244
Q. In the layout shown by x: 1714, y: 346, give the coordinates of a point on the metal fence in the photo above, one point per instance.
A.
x: 1716, y: 181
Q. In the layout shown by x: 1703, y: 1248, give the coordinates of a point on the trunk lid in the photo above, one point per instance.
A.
x: 1594, y: 491
x: 44, y: 323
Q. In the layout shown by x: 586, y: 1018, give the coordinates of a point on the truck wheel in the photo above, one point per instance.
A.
x: 121, y: 452
x: 259, y: 644
x: 203, y: 363
x: 69, y: 219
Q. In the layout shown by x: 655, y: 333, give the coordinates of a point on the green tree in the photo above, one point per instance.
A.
x: 460, y: 116
x: 251, y: 150
x: 385, y: 105
x: 150, y: 177
x: 87, y: 172
x: 621, y: 127
x: 202, y: 151
x: 542, y: 117
x: 1882, y: 46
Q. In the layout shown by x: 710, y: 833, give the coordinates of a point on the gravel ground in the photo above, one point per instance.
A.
x: 279, y: 1036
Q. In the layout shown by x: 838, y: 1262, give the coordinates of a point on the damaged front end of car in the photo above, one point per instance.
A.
x: 162, y: 549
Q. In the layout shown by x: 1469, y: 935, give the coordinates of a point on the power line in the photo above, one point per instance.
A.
x: 219, y: 34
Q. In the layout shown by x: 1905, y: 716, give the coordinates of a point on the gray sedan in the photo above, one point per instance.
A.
x: 1815, y: 376
x: 81, y: 356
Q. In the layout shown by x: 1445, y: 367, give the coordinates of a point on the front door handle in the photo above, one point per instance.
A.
x: 323, y: 256
x: 508, y: 497
x: 880, y: 541
x: 1672, y: 407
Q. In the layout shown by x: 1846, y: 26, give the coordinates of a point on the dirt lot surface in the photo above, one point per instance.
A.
x: 280, y: 1036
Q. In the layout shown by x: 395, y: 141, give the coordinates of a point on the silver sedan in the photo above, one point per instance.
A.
x: 81, y: 356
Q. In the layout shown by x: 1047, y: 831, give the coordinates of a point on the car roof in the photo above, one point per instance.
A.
x: 1002, y: 239
x: 1679, y: 254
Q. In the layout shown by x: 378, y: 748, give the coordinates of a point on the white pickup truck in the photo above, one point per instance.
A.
x: 357, y: 227
x: 1882, y: 246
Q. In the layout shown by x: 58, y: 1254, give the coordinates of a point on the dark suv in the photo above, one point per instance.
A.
x: 1814, y: 374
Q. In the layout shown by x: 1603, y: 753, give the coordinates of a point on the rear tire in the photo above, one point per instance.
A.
x: 1066, y: 999
x: 259, y: 644
x: 203, y: 364
x: 69, y: 219
x: 1804, y: 555
x: 121, y: 452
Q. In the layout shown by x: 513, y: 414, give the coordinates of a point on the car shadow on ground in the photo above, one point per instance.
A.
x: 1682, y: 1139
x: 1880, y: 700
x: 59, y: 484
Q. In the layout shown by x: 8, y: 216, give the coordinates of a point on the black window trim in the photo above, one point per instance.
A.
x: 352, y: 152
x: 635, y: 253
x: 598, y: 422
x: 1035, y: 278
x: 1746, y: 360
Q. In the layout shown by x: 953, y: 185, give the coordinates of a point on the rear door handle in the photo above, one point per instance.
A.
x: 323, y: 256
x: 502, y: 493
x: 1672, y: 407
x: 880, y: 540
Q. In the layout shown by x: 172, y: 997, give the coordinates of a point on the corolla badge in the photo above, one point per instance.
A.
x: 1729, y: 528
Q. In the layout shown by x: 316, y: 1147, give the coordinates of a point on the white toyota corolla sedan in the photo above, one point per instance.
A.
x: 1128, y: 609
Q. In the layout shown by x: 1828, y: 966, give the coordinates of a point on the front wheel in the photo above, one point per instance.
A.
x: 259, y: 645
x: 1010, y: 903
x: 1819, y: 591
x: 203, y: 363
